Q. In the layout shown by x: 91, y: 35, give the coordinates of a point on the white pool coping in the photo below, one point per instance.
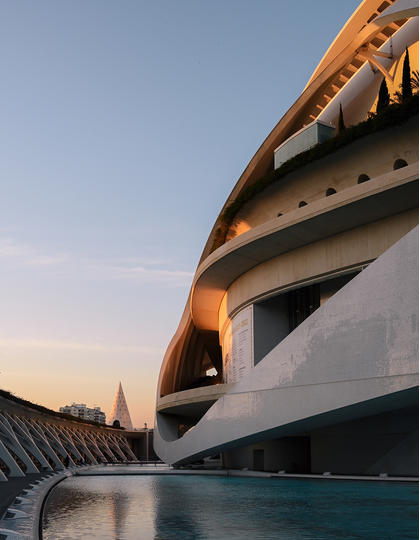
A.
x: 21, y: 521
x: 127, y: 470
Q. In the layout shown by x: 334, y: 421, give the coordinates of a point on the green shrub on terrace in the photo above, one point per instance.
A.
x: 393, y: 115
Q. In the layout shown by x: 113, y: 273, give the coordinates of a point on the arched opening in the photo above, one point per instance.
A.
x: 279, y: 214
x: 330, y: 191
x: 302, y: 203
x: 363, y: 178
x: 399, y: 164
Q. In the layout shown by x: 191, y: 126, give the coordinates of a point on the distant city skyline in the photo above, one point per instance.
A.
x: 113, y: 114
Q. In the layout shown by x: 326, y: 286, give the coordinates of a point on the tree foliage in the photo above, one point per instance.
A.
x: 406, y: 89
x: 415, y: 80
x: 341, y: 124
x: 383, y: 97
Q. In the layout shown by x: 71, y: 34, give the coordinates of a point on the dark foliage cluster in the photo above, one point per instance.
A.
x: 383, y: 97
x: 406, y: 89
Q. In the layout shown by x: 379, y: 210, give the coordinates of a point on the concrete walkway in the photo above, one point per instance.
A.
x: 10, y: 489
x: 118, y: 470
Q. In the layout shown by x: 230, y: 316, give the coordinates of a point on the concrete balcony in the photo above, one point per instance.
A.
x: 194, y: 402
x: 383, y: 196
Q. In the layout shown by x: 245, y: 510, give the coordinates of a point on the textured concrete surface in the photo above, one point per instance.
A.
x: 355, y: 356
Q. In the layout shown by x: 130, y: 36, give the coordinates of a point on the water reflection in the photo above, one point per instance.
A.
x: 100, y: 507
x: 175, y: 509
x: 207, y: 508
x: 119, y: 511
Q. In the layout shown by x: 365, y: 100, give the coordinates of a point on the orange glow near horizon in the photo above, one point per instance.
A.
x: 53, y: 383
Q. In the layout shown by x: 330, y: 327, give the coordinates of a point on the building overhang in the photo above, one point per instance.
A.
x: 382, y: 196
x: 193, y: 402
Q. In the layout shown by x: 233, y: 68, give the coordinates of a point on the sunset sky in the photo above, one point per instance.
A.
x: 124, y: 126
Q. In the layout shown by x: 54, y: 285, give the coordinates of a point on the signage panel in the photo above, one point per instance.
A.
x: 237, y: 346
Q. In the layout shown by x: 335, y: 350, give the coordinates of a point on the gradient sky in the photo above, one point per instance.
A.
x: 123, y: 128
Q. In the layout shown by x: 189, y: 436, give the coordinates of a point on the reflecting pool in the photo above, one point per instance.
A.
x: 210, y: 507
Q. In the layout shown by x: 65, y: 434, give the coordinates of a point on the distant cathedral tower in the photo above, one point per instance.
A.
x: 119, y: 410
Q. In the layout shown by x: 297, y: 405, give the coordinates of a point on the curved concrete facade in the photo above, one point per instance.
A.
x: 297, y: 349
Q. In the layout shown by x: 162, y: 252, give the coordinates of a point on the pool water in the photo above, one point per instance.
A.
x: 214, y: 507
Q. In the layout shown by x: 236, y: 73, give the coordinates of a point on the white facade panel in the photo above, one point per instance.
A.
x: 237, y: 346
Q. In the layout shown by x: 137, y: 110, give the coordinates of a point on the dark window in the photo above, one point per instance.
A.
x: 330, y: 191
x: 399, y: 164
x: 302, y: 203
x: 302, y: 303
x: 363, y: 178
x: 279, y: 214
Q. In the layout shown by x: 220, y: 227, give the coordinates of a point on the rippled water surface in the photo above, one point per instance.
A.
x: 191, y: 507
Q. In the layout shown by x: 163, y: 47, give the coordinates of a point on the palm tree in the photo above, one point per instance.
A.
x: 415, y: 80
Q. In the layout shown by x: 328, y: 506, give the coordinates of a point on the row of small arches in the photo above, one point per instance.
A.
x: 398, y: 164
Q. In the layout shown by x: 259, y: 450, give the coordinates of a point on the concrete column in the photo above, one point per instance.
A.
x: 14, y: 468
x: 10, y: 440
x: 42, y: 443
x: 24, y: 437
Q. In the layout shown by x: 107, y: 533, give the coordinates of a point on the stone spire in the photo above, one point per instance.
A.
x: 119, y: 410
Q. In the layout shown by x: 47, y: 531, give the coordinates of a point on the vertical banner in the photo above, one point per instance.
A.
x: 237, y: 348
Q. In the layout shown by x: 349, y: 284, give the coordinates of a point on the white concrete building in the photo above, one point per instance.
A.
x: 82, y: 411
x: 297, y: 349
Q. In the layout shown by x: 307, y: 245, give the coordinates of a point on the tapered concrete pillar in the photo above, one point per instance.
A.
x: 9, y: 439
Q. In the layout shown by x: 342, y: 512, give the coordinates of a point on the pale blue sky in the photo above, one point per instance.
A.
x: 123, y: 128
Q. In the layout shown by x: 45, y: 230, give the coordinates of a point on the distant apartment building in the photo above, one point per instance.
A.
x: 81, y: 411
